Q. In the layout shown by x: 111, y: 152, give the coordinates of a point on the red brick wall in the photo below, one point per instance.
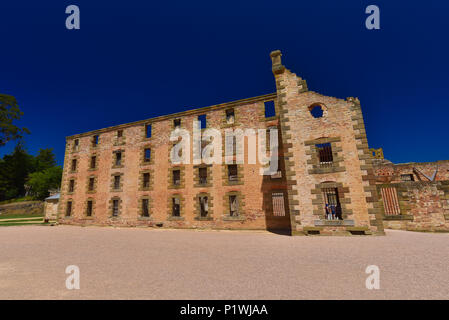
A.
x: 256, y: 189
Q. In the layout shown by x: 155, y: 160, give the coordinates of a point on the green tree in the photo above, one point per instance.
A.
x: 45, y: 159
x: 14, y: 170
x: 9, y: 111
x: 41, y: 182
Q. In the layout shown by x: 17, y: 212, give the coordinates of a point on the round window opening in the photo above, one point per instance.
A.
x: 316, y: 111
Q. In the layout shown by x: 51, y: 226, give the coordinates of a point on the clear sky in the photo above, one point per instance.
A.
x: 133, y: 60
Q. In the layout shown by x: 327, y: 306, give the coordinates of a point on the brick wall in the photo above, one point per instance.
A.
x: 255, y: 189
x: 386, y: 171
x: 424, y: 206
x: 302, y: 178
x: 351, y: 172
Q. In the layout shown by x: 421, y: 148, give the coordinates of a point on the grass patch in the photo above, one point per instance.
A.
x: 20, y: 215
x: 12, y: 223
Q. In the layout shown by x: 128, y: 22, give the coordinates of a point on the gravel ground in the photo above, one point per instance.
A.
x: 125, y: 263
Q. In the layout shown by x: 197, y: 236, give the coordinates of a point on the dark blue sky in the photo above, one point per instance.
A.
x: 133, y: 60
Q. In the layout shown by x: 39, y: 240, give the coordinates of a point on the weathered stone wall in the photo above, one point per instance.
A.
x: 51, y: 209
x: 424, y: 206
x: 351, y: 172
x: 253, y: 189
x: 24, y: 207
x: 387, y: 172
x: 302, y: 177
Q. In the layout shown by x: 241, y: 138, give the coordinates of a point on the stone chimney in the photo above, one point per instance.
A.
x: 277, y: 66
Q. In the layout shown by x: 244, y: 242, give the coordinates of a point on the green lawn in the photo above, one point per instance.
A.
x: 9, y: 224
x: 21, y: 219
x: 16, y: 216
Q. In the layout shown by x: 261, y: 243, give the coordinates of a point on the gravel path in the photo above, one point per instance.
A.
x: 130, y: 263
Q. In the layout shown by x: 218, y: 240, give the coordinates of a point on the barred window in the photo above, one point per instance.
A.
x: 116, y: 182
x: 325, y: 154
x: 115, y: 207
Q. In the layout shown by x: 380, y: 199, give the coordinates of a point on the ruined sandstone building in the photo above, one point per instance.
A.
x: 122, y: 175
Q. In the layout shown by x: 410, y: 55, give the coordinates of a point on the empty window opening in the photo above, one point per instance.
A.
x: 231, y: 145
x: 325, y: 154
x: 116, y: 182
x: 148, y: 130
x: 316, y: 110
x: 203, y: 175
x: 76, y: 144
x: 68, y: 210
x: 176, y: 207
x: 71, y: 185
x: 89, y: 208
x: 93, y: 162
x: 230, y: 116
x: 91, y: 184
x: 145, y: 208
x: 270, y: 110
x: 119, y: 133
x: 73, y: 164
x: 147, y: 155
x: 203, y: 121
x: 177, y: 123
x: 332, y: 205
x: 118, y: 158
x: 204, y: 206
x: 233, y: 206
x: 115, y: 207
x: 407, y: 177
x: 95, y: 140
x: 278, y: 204
x: 146, y: 180
x: 390, y: 200
x: 232, y: 172
x: 176, y: 177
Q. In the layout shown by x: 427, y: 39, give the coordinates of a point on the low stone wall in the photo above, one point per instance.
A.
x: 24, y: 207
x: 424, y: 206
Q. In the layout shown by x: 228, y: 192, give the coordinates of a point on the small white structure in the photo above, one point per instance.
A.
x: 51, y: 207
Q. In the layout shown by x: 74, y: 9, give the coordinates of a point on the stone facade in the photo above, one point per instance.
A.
x: 120, y: 189
x: 422, y: 192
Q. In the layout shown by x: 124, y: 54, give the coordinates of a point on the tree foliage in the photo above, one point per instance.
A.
x: 10, y: 111
x: 42, y: 181
x: 23, y: 174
